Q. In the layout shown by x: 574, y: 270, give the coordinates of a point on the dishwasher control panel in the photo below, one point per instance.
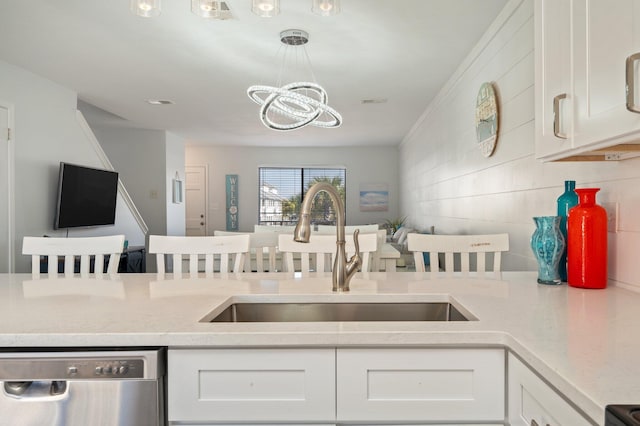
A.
x: 73, y: 368
x: 116, y: 368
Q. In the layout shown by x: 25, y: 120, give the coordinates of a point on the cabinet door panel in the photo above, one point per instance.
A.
x: 605, y: 33
x: 532, y: 399
x: 259, y: 385
x: 553, y: 76
x: 420, y: 385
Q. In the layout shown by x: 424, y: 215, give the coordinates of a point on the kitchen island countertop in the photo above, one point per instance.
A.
x: 581, y: 341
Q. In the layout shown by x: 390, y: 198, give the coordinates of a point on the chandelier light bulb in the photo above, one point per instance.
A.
x: 146, y: 8
x: 265, y: 8
x: 206, y: 8
x: 326, y: 7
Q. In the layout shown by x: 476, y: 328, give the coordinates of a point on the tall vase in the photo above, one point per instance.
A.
x: 587, y: 237
x: 547, y: 243
x: 565, y: 202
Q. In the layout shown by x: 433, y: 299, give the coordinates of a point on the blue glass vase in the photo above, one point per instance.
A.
x: 548, y: 244
x: 567, y: 200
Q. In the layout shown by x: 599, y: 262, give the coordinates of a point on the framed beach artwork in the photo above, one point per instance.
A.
x: 374, y: 197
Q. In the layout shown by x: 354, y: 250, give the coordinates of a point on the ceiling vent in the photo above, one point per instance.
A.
x: 374, y: 101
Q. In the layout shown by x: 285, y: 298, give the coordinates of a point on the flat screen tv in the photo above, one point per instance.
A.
x: 86, y: 197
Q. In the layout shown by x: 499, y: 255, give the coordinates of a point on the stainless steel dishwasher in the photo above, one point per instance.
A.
x: 112, y: 387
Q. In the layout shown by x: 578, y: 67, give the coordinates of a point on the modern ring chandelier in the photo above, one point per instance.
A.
x: 297, y: 104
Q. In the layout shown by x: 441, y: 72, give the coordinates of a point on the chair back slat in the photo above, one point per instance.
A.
x: 461, y: 245
x: 68, y: 250
x: 323, y: 247
x: 176, y: 261
x: 193, y: 248
x: 464, y: 262
x: 480, y: 260
x: 497, y: 258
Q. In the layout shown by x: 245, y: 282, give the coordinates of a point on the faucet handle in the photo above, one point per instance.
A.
x: 355, y: 240
x: 353, y: 264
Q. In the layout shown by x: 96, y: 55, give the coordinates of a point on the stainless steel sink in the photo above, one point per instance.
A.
x: 327, y: 311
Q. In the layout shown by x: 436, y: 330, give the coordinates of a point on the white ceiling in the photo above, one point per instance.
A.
x: 400, y: 50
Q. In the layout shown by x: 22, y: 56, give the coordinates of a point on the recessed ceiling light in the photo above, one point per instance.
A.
x: 374, y: 101
x: 160, y: 102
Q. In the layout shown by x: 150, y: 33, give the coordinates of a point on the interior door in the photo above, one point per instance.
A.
x: 196, y: 200
x: 6, y: 242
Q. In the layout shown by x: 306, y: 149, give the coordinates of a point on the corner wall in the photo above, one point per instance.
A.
x: 446, y: 182
x: 364, y: 165
x: 46, y: 132
x: 139, y: 156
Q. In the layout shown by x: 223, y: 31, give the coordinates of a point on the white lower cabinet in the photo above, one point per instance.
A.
x: 251, y: 385
x: 330, y: 386
x: 462, y: 385
x: 532, y: 402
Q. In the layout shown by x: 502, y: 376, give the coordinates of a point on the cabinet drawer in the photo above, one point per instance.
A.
x: 420, y: 385
x: 532, y: 399
x: 247, y: 385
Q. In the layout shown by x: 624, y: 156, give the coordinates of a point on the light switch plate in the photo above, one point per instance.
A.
x: 612, y: 216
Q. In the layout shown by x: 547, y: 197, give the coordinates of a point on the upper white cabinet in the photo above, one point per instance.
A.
x: 584, y: 66
x: 553, y: 76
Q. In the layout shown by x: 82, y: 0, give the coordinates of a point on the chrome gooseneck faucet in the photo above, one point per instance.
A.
x: 343, y: 270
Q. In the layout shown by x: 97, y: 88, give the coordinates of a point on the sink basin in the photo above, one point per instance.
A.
x: 327, y: 311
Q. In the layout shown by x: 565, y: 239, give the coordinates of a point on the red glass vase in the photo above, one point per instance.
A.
x: 587, y: 242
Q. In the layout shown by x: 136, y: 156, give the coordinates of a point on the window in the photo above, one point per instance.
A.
x: 281, y: 190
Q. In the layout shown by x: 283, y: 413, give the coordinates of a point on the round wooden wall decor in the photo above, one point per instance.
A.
x: 487, y: 119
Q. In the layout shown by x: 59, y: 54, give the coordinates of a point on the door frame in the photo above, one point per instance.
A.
x: 9, y: 151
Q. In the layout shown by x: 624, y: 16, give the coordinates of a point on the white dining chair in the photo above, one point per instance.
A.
x: 53, y: 250
x: 192, y: 248
x: 318, y: 254
x: 262, y: 246
x: 462, y: 246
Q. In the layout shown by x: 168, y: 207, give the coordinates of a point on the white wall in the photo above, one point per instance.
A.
x: 46, y: 132
x: 364, y: 165
x: 446, y: 182
x: 139, y: 156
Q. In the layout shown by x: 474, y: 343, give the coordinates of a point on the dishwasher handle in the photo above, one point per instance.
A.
x: 48, y: 390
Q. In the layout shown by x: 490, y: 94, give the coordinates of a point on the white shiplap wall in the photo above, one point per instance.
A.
x: 447, y: 183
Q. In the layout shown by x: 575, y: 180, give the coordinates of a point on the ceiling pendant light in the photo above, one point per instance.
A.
x: 146, y: 8
x: 265, y: 8
x: 206, y: 8
x: 326, y: 7
x: 297, y: 104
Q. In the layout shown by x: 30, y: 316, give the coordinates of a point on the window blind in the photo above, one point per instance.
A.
x: 281, y: 190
